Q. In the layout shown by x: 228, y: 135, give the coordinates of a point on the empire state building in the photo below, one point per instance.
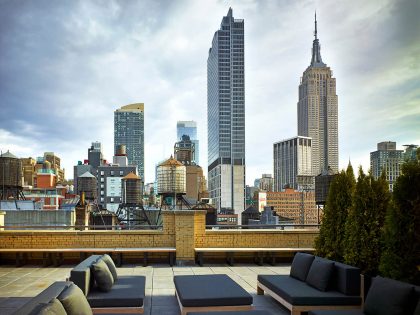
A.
x: 318, y: 111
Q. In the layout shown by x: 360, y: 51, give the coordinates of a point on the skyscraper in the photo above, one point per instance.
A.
x: 226, y: 115
x: 129, y: 130
x: 292, y: 163
x: 189, y: 128
x: 318, y: 111
x: 387, y: 159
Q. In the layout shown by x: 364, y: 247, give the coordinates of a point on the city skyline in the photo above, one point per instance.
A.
x: 69, y: 67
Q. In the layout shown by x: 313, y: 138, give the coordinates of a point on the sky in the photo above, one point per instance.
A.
x: 65, y: 66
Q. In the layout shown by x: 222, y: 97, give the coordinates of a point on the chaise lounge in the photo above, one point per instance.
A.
x: 106, y: 291
x: 314, y: 283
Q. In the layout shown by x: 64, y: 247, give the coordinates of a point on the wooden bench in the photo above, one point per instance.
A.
x: 55, y: 256
x: 145, y: 251
x: 259, y: 252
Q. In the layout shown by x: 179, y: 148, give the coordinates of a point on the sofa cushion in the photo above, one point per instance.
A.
x: 256, y: 312
x: 54, y: 307
x: 81, y: 275
x: 111, y: 266
x: 300, y: 265
x: 297, y: 292
x: 210, y: 290
x: 74, y: 301
x: 33, y: 306
x: 334, y: 312
x: 319, y: 274
x: 102, y: 275
x: 388, y: 297
x: 127, y: 291
x: 346, y: 279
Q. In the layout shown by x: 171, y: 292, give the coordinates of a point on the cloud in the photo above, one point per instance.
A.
x: 66, y: 66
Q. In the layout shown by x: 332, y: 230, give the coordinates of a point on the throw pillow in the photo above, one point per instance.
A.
x: 388, y: 297
x: 102, y: 275
x: 111, y: 266
x: 300, y: 266
x: 54, y: 307
x: 320, y: 273
x: 74, y: 301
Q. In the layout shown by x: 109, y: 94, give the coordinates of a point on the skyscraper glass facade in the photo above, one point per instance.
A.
x: 226, y: 115
x: 129, y: 130
x: 189, y: 128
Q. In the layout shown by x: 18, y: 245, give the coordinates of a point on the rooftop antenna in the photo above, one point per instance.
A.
x: 316, y: 32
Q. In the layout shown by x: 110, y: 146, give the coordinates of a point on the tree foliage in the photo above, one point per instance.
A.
x: 330, y: 242
x: 401, y: 255
x: 363, y: 228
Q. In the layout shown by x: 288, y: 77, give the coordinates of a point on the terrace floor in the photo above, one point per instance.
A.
x: 18, y: 285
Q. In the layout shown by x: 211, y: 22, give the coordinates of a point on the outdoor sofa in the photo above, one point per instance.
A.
x: 314, y: 283
x: 385, y: 297
x: 106, y: 291
x: 60, y: 298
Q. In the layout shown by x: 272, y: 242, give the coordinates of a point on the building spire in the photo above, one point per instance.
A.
x: 316, y: 49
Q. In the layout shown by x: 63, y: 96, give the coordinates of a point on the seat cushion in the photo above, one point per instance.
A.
x: 74, y: 301
x: 102, y: 275
x: 210, y: 290
x: 320, y: 273
x: 111, y: 266
x: 334, y: 312
x: 54, y: 307
x: 300, y: 265
x: 388, y: 297
x: 127, y: 291
x: 297, y: 292
x: 257, y: 312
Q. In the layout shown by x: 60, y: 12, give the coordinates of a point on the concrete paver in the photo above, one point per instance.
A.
x: 18, y: 285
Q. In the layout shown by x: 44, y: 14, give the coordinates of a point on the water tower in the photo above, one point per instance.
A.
x: 10, y: 177
x: 171, y: 184
x: 87, y: 185
x: 131, y: 210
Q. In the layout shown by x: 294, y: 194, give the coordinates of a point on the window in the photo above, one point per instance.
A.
x: 102, y: 173
x: 112, y: 199
x: 121, y: 173
x: 102, y: 179
x: 112, y: 173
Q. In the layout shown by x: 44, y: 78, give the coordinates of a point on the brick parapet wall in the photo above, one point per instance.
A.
x: 182, y: 229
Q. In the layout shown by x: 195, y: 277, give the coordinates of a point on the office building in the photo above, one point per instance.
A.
x: 129, y: 130
x: 266, y: 182
x: 226, y: 116
x: 318, y: 111
x: 387, y: 159
x: 293, y: 164
x: 95, y: 155
x: 55, y: 165
x: 297, y: 205
x: 184, y: 151
x: 189, y: 128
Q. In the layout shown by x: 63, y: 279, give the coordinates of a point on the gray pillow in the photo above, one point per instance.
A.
x: 111, y: 266
x: 320, y: 273
x: 74, y: 301
x: 300, y: 266
x: 388, y: 297
x: 102, y: 275
x: 54, y: 307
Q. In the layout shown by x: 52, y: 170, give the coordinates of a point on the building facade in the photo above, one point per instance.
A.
x: 293, y: 164
x: 129, y: 130
x: 266, y: 182
x: 226, y: 116
x: 297, y: 205
x: 387, y: 159
x: 189, y: 128
x: 318, y: 111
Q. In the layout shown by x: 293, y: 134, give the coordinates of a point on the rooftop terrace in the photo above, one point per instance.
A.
x: 18, y: 285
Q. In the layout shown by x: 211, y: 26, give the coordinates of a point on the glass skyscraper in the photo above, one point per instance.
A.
x: 226, y: 116
x: 189, y: 128
x: 129, y: 130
